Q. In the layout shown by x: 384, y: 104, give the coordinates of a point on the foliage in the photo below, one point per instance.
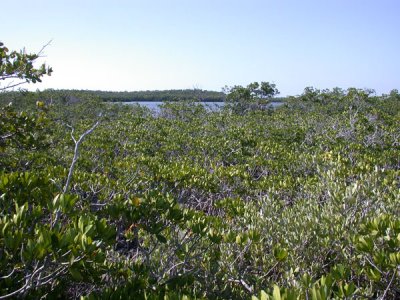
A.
x: 164, y: 96
x: 300, y: 202
x: 255, y: 95
x: 17, y: 67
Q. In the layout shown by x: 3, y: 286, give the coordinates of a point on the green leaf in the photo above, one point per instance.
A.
x: 349, y: 289
x: 276, y: 294
x: 75, y: 274
x: 264, y: 295
x: 161, y: 238
x: 374, y: 274
x: 365, y: 244
x: 280, y: 253
x: 54, y: 241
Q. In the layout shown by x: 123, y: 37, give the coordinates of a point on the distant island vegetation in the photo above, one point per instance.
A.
x: 177, y: 95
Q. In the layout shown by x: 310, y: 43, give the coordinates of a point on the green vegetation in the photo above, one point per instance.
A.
x: 254, y: 96
x: 69, y: 96
x: 16, y: 68
x: 168, y: 95
x: 106, y: 201
x: 138, y: 96
x: 156, y: 96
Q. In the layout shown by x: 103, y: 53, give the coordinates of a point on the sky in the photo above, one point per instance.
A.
x: 134, y: 45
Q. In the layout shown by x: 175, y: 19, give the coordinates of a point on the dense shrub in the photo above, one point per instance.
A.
x: 301, y: 202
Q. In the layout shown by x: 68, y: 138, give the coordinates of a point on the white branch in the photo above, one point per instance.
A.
x: 22, y: 289
x: 388, y: 287
x: 76, y: 153
x: 74, y: 160
x: 9, y: 275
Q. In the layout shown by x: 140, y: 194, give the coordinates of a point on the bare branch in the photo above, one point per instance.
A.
x: 243, y: 283
x: 9, y: 275
x: 388, y: 287
x: 11, y: 86
x: 76, y: 153
x: 22, y: 289
x: 44, y: 47
x: 74, y: 160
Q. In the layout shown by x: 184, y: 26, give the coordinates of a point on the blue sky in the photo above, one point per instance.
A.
x: 177, y: 44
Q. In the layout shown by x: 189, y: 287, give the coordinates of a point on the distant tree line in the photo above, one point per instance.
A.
x: 162, y: 96
x: 166, y: 95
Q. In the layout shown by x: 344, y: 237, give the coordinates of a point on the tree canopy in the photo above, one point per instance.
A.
x: 254, y: 95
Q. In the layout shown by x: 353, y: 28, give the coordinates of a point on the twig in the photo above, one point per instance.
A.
x: 243, y: 283
x: 26, y: 286
x: 390, y: 283
x: 76, y: 153
x: 9, y: 275
x: 372, y: 264
x: 9, y: 86
x: 42, y: 49
x: 74, y: 160
x: 16, y: 292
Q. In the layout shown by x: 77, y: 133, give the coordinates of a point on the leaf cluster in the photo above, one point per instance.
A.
x: 18, y: 67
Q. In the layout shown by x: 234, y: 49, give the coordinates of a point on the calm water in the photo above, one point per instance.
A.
x: 155, y: 106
